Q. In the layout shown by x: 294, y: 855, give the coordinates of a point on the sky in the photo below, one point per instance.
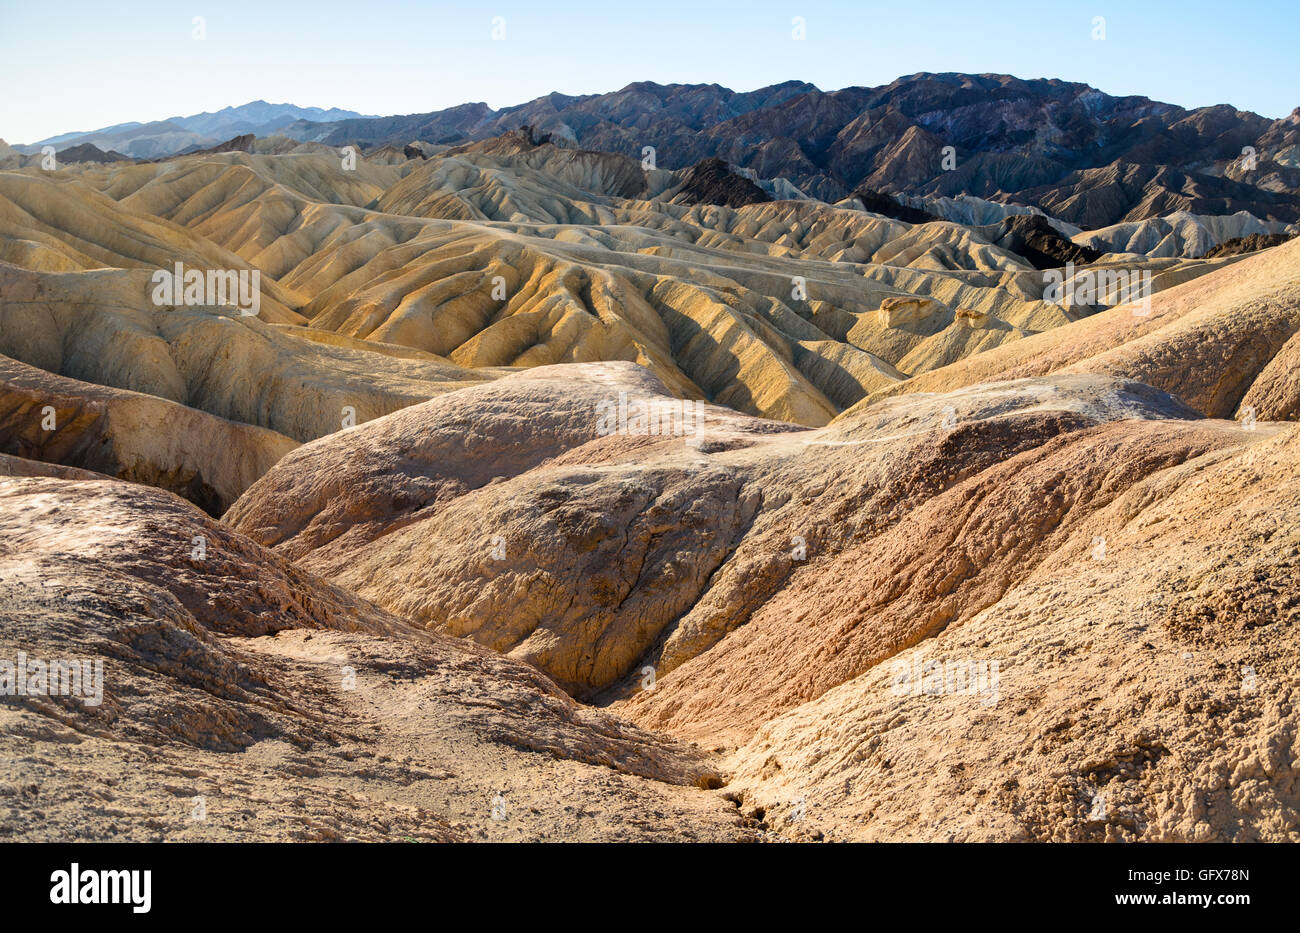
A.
x: 76, y: 66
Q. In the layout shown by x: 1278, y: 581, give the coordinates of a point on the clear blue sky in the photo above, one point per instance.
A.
x: 81, y: 65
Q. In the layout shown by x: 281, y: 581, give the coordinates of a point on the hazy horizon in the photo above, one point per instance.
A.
x: 147, y: 63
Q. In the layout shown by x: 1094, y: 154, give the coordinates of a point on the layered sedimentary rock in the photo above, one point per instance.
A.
x: 1208, y: 341
x: 538, y: 463
x: 1182, y: 234
x: 132, y: 435
x: 729, y: 583
x: 230, y: 695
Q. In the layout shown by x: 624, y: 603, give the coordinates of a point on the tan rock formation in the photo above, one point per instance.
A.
x: 130, y: 435
x: 899, y: 312
x: 750, y: 588
x: 1207, y: 341
x: 536, y: 474
x: 224, y: 671
x: 545, y: 255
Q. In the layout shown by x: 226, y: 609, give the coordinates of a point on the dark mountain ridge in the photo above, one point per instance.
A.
x: 998, y: 137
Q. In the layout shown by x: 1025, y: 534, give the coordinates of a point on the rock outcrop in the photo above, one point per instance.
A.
x: 133, y: 436
x: 1247, y: 244
x: 216, y: 669
x: 711, y: 181
x: 1031, y: 236
x: 760, y: 589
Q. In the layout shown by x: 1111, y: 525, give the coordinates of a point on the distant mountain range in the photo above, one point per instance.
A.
x: 177, y: 135
x: 1068, y: 149
x: 1073, y: 151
